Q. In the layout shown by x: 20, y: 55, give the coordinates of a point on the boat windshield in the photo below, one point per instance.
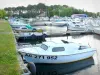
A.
x: 43, y: 46
x: 82, y: 47
x: 57, y: 49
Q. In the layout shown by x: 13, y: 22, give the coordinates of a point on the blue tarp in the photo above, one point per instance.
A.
x: 79, y: 15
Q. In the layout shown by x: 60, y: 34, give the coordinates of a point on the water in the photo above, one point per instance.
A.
x: 85, y: 67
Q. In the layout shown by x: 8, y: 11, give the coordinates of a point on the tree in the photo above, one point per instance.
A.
x: 41, y: 6
x: 2, y: 13
x: 98, y: 14
x: 35, y: 10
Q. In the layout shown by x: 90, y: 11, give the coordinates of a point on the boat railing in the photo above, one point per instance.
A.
x: 64, y: 41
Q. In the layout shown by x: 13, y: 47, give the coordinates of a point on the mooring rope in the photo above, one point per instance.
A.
x: 97, y: 60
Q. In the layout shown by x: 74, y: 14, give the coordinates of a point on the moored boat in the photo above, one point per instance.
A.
x: 53, y: 53
x: 30, y: 36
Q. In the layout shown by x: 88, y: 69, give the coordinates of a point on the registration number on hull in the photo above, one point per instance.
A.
x: 42, y: 57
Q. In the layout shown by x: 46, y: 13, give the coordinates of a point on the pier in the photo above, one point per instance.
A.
x: 52, y: 31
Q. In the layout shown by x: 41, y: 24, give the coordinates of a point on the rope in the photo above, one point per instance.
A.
x: 97, y: 60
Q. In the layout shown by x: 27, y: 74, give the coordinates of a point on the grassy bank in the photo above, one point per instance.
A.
x: 8, y: 56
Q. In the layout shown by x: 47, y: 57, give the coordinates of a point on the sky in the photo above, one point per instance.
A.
x: 89, y: 5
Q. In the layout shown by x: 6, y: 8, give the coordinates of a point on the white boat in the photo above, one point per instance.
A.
x: 53, y: 53
x: 25, y: 28
x: 17, y: 24
x: 77, y: 26
x: 41, y: 23
x: 59, y: 23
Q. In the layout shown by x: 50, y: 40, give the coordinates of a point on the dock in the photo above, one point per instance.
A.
x: 53, y: 31
x: 56, y: 33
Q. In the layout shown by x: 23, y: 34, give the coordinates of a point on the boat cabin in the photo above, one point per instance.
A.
x: 58, y: 47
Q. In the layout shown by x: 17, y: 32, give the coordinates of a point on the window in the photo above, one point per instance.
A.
x: 15, y: 27
x: 43, y: 46
x: 24, y: 28
x: 82, y: 47
x: 57, y: 49
x: 74, y: 23
x: 77, y: 26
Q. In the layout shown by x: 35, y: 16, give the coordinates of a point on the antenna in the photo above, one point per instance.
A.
x: 67, y: 30
x: 89, y: 45
x: 50, y: 31
x: 46, y: 9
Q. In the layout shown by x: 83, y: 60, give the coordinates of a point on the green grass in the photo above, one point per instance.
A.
x: 8, y: 56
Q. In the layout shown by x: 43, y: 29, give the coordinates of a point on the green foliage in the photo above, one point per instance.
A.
x: 36, y: 10
x: 2, y: 13
x: 8, y: 56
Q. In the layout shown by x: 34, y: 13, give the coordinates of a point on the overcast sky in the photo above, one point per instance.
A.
x: 89, y: 5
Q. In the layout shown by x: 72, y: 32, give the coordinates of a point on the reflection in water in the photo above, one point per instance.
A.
x: 60, y: 69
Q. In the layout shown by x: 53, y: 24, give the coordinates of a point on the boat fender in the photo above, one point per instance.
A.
x: 31, y: 66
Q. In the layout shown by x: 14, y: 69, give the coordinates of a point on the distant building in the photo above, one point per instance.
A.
x: 79, y: 16
x: 42, y: 14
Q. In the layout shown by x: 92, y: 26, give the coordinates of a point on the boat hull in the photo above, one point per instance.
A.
x: 33, y: 37
x: 57, y: 59
x: 76, y: 29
